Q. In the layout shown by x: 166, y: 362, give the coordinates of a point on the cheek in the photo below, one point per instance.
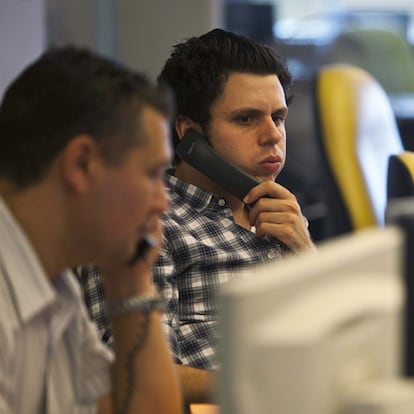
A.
x: 282, y: 144
x: 130, y: 204
x: 137, y: 199
x: 229, y: 145
x: 234, y: 145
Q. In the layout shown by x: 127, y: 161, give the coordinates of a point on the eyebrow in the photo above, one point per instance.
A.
x: 254, y: 111
x: 282, y: 111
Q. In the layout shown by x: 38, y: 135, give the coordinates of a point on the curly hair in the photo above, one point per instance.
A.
x: 198, y: 68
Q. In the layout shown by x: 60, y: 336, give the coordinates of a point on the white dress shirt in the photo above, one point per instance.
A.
x: 51, y: 359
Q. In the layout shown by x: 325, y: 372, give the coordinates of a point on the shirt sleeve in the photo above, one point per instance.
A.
x: 163, y: 274
x: 94, y: 360
x: 4, y: 402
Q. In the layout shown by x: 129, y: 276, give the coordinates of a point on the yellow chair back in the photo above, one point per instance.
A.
x: 357, y: 133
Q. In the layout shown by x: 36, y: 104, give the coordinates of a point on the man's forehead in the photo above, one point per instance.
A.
x: 248, y: 87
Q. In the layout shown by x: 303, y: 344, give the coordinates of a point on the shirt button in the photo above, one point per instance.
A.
x: 221, y: 202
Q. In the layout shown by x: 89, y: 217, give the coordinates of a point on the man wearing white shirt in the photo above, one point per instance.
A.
x: 83, y: 147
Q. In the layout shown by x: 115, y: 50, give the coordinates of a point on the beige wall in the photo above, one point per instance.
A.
x: 138, y: 32
x: 147, y: 32
x: 22, y: 36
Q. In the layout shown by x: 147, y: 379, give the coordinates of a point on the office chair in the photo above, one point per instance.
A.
x: 356, y: 134
x: 400, y: 175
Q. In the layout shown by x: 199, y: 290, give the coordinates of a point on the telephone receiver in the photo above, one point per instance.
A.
x: 196, y: 151
x: 142, y: 248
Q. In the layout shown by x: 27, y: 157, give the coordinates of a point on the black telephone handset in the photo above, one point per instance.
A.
x: 142, y: 248
x: 196, y: 151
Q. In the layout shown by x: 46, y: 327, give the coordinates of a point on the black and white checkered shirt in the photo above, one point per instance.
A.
x: 203, y: 248
x: 90, y: 281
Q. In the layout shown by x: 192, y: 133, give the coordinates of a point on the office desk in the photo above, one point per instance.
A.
x: 204, y: 409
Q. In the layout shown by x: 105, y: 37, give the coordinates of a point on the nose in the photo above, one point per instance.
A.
x: 272, y: 132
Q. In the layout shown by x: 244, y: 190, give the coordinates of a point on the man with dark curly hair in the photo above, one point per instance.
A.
x: 235, y: 92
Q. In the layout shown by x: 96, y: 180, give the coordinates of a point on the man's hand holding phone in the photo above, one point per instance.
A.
x: 276, y: 212
x: 273, y: 209
x: 135, y: 275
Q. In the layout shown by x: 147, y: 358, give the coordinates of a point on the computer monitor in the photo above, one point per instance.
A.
x: 303, y: 334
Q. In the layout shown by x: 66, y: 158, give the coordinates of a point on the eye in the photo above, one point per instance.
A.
x: 156, y: 174
x: 245, y: 119
x: 278, y: 119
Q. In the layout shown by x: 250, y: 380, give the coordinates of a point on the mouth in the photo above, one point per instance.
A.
x: 272, y: 164
x: 272, y: 159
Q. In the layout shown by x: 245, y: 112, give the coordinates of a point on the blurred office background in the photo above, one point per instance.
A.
x: 308, y: 33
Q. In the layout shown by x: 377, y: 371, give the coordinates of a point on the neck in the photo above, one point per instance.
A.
x: 187, y: 173
x: 41, y: 219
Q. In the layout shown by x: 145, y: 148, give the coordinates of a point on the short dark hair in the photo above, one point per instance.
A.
x: 69, y: 91
x: 198, y: 68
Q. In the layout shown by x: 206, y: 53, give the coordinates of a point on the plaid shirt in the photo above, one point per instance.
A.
x: 92, y: 287
x: 203, y: 248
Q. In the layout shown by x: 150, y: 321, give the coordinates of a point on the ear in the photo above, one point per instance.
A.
x: 182, y: 124
x: 80, y: 159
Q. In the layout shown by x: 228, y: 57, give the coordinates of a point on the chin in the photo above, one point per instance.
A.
x: 268, y: 178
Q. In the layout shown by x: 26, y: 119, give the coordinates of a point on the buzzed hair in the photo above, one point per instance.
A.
x: 66, y: 92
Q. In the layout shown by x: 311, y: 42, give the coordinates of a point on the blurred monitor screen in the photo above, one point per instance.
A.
x: 299, y: 334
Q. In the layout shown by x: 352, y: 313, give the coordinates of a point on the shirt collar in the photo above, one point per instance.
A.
x: 30, y: 287
x: 199, y: 199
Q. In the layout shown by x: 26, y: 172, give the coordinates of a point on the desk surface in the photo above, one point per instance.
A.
x: 204, y: 409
